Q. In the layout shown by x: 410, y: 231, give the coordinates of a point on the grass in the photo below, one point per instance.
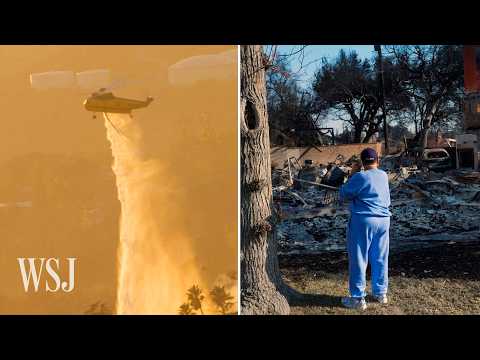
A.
x: 438, y: 280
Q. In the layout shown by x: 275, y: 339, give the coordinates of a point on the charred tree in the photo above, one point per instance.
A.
x: 348, y: 86
x: 432, y: 76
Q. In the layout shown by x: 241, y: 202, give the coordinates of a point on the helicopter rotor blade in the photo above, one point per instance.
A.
x: 86, y: 82
x: 53, y: 80
x: 94, y: 79
x: 191, y: 70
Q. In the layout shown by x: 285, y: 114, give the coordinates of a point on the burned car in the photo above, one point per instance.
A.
x: 436, y: 160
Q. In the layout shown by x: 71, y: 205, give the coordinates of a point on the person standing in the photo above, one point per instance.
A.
x: 368, y: 230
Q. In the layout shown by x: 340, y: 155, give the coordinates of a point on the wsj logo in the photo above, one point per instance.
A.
x: 34, y: 276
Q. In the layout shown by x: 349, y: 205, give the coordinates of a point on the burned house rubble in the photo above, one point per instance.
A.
x: 428, y: 207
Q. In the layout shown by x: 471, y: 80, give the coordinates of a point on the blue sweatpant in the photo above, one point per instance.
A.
x: 368, y: 241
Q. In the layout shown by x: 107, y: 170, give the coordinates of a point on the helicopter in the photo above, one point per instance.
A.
x: 183, y: 74
x: 104, y: 101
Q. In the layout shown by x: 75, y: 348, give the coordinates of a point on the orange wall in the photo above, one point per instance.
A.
x: 471, y: 68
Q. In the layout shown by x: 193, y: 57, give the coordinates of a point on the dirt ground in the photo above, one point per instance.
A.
x: 432, y: 281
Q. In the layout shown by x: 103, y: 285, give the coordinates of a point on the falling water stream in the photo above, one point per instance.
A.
x: 156, y: 260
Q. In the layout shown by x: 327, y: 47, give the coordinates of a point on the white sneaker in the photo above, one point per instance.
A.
x: 354, y: 303
x: 382, y: 299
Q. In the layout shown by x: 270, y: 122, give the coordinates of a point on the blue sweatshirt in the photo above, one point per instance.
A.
x: 369, y: 193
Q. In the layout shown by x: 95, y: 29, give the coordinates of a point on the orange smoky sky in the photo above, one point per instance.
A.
x: 58, y: 192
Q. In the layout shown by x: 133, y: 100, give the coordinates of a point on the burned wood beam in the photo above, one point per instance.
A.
x: 308, y: 214
x: 296, y: 196
x: 318, y: 184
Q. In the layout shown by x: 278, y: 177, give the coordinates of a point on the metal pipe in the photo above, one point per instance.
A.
x: 378, y: 48
x: 314, y: 183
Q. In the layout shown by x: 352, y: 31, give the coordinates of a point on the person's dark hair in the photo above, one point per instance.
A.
x: 368, y: 156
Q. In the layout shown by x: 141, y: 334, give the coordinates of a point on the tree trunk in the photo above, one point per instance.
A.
x: 263, y: 291
x: 427, y: 124
x: 357, y: 134
x: 367, y: 138
x: 372, y: 130
x: 424, y: 137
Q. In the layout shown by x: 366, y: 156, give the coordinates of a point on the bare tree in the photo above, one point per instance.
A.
x: 348, y: 86
x: 291, y: 109
x: 432, y: 76
x: 262, y: 288
x: 293, y: 112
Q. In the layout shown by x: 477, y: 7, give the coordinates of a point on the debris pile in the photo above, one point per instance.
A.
x: 427, y: 207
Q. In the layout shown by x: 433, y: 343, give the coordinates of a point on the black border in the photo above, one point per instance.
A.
x: 241, y: 22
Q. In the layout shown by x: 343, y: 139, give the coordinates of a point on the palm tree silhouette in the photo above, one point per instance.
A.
x: 185, y: 309
x: 195, y: 297
x: 221, y: 299
x: 98, y: 308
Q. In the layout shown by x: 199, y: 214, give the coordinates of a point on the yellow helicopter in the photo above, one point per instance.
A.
x: 104, y: 101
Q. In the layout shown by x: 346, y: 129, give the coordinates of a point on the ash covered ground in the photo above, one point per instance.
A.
x: 428, y: 208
